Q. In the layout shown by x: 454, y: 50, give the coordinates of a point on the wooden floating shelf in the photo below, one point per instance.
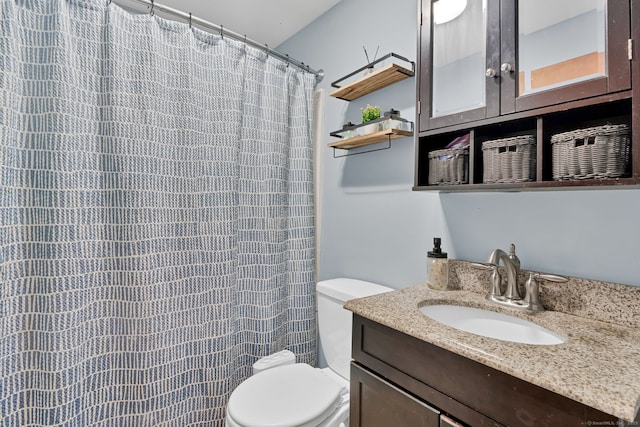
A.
x: 371, y: 138
x: 376, y: 80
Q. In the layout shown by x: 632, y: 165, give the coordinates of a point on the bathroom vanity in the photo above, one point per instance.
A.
x: 398, y: 377
x: 409, y: 370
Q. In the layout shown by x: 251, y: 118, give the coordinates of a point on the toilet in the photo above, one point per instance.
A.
x: 293, y: 394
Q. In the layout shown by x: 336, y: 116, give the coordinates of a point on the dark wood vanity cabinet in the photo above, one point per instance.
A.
x: 398, y: 380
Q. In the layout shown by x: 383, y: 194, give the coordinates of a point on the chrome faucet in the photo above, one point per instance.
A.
x: 512, y: 266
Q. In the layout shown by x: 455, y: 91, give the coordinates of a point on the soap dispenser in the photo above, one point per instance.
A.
x: 437, y: 267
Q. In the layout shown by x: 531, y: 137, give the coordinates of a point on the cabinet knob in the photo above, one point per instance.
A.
x: 491, y: 73
x: 506, y: 68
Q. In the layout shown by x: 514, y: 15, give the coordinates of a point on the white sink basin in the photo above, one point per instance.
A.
x: 491, y: 324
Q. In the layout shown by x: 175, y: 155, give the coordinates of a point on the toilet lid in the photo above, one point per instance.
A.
x: 290, y: 395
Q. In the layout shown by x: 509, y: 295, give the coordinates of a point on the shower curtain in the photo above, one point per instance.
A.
x: 156, y: 205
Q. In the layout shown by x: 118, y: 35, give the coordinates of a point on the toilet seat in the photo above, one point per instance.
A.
x: 290, y: 395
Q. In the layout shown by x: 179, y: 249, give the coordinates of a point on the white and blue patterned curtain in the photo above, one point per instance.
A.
x: 156, y: 212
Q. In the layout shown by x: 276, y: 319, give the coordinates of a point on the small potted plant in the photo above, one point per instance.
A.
x: 370, y: 113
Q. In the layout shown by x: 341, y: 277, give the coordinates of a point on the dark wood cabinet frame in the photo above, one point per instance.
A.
x: 610, y: 99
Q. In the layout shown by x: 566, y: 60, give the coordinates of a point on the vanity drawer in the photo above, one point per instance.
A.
x: 474, y: 393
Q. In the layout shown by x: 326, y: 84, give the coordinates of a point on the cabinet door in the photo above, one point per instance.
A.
x: 459, y: 45
x: 566, y: 50
x: 377, y: 403
x: 484, y: 58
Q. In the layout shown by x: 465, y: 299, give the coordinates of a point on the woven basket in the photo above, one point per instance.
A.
x: 509, y: 159
x: 593, y: 153
x: 449, y: 166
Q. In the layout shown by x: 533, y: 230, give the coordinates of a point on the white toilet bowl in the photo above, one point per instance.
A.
x: 298, y: 395
x: 290, y: 395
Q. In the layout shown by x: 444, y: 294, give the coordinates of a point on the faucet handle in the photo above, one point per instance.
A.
x: 483, y: 265
x: 532, y: 288
x: 496, y: 278
x: 496, y: 282
x: 551, y: 277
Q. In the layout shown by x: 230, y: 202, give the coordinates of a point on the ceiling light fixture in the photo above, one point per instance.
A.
x: 447, y: 10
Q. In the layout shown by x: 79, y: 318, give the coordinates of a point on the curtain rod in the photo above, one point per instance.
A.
x: 189, y: 18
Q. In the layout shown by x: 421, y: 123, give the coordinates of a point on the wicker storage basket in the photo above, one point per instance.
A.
x: 598, y: 152
x: 509, y: 159
x: 449, y: 166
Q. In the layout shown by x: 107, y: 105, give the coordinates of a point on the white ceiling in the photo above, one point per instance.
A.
x: 267, y: 22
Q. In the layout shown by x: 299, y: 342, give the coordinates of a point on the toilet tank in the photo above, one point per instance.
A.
x: 334, y: 322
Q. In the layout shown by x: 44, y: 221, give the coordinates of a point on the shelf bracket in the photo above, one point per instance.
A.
x: 388, y: 146
x: 371, y: 64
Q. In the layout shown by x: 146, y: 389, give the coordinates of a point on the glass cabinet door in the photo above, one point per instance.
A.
x: 459, y: 56
x: 568, y: 50
x: 461, y: 41
x: 559, y: 43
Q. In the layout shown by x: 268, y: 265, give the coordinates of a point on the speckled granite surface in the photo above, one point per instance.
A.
x: 598, y: 365
x: 609, y: 302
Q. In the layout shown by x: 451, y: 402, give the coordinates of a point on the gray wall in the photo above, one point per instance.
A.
x: 373, y: 227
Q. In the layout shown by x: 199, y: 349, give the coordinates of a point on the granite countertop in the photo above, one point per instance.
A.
x: 598, y: 365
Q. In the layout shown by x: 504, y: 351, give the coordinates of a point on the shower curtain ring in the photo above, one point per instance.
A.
x: 222, y: 31
x: 288, y: 60
x: 266, y: 49
x: 189, y: 19
x: 151, y: 12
